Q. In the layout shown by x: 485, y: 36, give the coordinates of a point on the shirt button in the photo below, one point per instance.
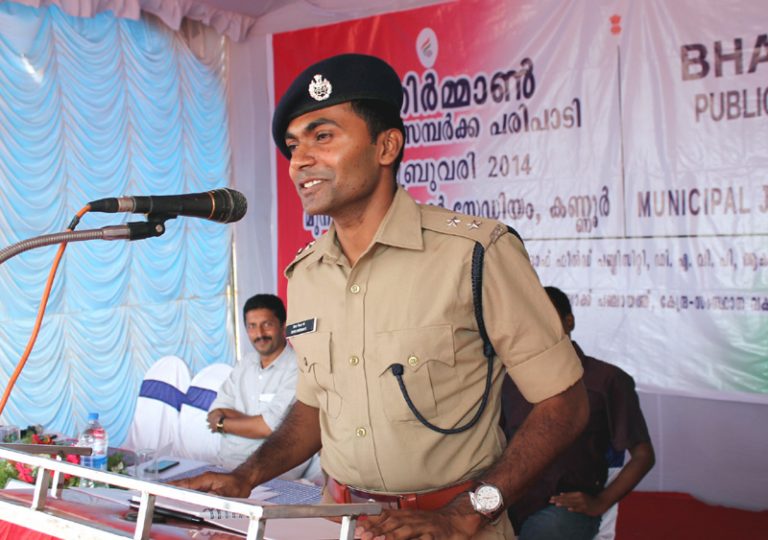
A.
x: 413, y: 360
x: 353, y: 360
x: 361, y: 432
x: 354, y: 289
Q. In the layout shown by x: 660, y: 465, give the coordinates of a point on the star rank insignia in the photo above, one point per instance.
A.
x: 309, y: 245
x: 453, y: 222
x: 474, y: 224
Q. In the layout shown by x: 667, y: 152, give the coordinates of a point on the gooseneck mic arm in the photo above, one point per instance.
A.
x: 223, y: 205
x: 127, y: 231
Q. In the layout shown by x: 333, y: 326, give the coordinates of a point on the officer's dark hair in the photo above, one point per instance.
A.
x: 560, y: 300
x: 379, y: 117
x: 266, y: 301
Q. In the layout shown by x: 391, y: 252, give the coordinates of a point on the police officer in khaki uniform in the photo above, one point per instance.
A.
x: 395, y: 384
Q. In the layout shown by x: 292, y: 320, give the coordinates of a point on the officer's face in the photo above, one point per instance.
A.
x: 265, y: 332
x: 335, y: 166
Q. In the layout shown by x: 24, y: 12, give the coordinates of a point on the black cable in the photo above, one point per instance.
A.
x: 477, y: 297
x: 397, y: 371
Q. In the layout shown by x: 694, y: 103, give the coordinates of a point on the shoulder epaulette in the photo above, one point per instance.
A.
x: 301, y: 254
x: 480, y: 230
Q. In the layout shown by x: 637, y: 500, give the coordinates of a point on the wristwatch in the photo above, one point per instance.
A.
x: 487, y: 500
x: 220, y: 424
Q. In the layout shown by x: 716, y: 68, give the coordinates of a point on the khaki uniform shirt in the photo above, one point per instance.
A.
x: 408, y: 300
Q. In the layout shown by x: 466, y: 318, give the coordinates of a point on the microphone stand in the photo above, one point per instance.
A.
x: 154, y: 226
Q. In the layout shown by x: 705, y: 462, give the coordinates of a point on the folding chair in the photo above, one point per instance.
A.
x: 195, y: 440
x: 155, y: 421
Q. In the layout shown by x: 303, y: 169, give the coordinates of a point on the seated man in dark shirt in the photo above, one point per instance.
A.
x: 567, y: 500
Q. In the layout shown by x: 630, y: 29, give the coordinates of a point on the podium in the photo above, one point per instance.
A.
x: 52, y: 511
x: 107, y: 519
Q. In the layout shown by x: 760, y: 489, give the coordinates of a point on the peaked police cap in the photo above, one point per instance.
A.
x: 335, y: 80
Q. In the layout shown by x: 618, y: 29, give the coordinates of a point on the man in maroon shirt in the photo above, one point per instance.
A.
x: 567, y: 500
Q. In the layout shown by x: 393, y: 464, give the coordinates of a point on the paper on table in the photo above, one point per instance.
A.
x: 280, y: 491
x: 293, y: 492
x: 261, y: 494
x: 189, y: 468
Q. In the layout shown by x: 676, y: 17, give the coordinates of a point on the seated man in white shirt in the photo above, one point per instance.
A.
x: 260, y: 389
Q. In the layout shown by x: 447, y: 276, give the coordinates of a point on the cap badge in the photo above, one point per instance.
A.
x: 320, y: 88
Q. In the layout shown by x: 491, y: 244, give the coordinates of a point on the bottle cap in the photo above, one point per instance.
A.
x: 93, y: 416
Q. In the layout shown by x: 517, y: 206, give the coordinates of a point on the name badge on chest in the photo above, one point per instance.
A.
x: 301, y: 327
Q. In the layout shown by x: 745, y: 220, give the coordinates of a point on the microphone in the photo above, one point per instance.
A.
x: 223, y: 205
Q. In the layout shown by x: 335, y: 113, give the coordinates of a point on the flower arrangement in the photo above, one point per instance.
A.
x: 21, y: 471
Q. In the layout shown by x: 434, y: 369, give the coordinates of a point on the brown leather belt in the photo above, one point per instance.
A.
x: 431, y: 500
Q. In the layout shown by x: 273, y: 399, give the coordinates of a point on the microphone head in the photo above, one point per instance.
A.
x: 223, y: 205
x: 229, y: 205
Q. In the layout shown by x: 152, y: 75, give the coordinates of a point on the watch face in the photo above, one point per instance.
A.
x: 488, y: 498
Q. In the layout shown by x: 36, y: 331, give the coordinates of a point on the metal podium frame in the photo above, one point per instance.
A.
x: 37, y: 516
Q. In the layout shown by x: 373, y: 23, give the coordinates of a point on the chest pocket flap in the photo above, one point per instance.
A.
x: 428, y: 358
x: 313, y: 351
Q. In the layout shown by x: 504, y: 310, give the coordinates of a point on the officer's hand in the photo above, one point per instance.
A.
x: 577, y: 501
x: 457, y: 521
x: 225, y: 484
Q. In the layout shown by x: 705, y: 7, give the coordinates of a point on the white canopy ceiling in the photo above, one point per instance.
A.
x: 238, y: 18
x: 281, y: 15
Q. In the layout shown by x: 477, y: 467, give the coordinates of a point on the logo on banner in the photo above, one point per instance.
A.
x: 320, y: 88
x: 426, y: 47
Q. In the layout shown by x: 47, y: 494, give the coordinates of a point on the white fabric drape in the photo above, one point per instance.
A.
x: 93, y: 108
x: 171, y: 12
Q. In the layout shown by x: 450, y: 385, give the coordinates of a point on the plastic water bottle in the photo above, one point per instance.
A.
x: 94, y: 436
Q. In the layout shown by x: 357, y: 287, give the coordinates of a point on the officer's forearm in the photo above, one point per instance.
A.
x: 550, y: 427
x: 291, y: 444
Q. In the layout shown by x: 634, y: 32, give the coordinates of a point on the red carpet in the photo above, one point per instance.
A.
x: 678, y: 516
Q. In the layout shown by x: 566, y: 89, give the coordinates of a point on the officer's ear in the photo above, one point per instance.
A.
x: 390, y: 143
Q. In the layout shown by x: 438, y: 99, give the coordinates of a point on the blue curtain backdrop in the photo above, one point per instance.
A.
x: 93, y: 108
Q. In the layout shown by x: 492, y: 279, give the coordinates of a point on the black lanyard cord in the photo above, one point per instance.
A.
x: 477, y: 298
x: 397, y: 371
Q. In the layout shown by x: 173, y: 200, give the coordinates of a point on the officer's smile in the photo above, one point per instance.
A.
x: 309, y: 183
